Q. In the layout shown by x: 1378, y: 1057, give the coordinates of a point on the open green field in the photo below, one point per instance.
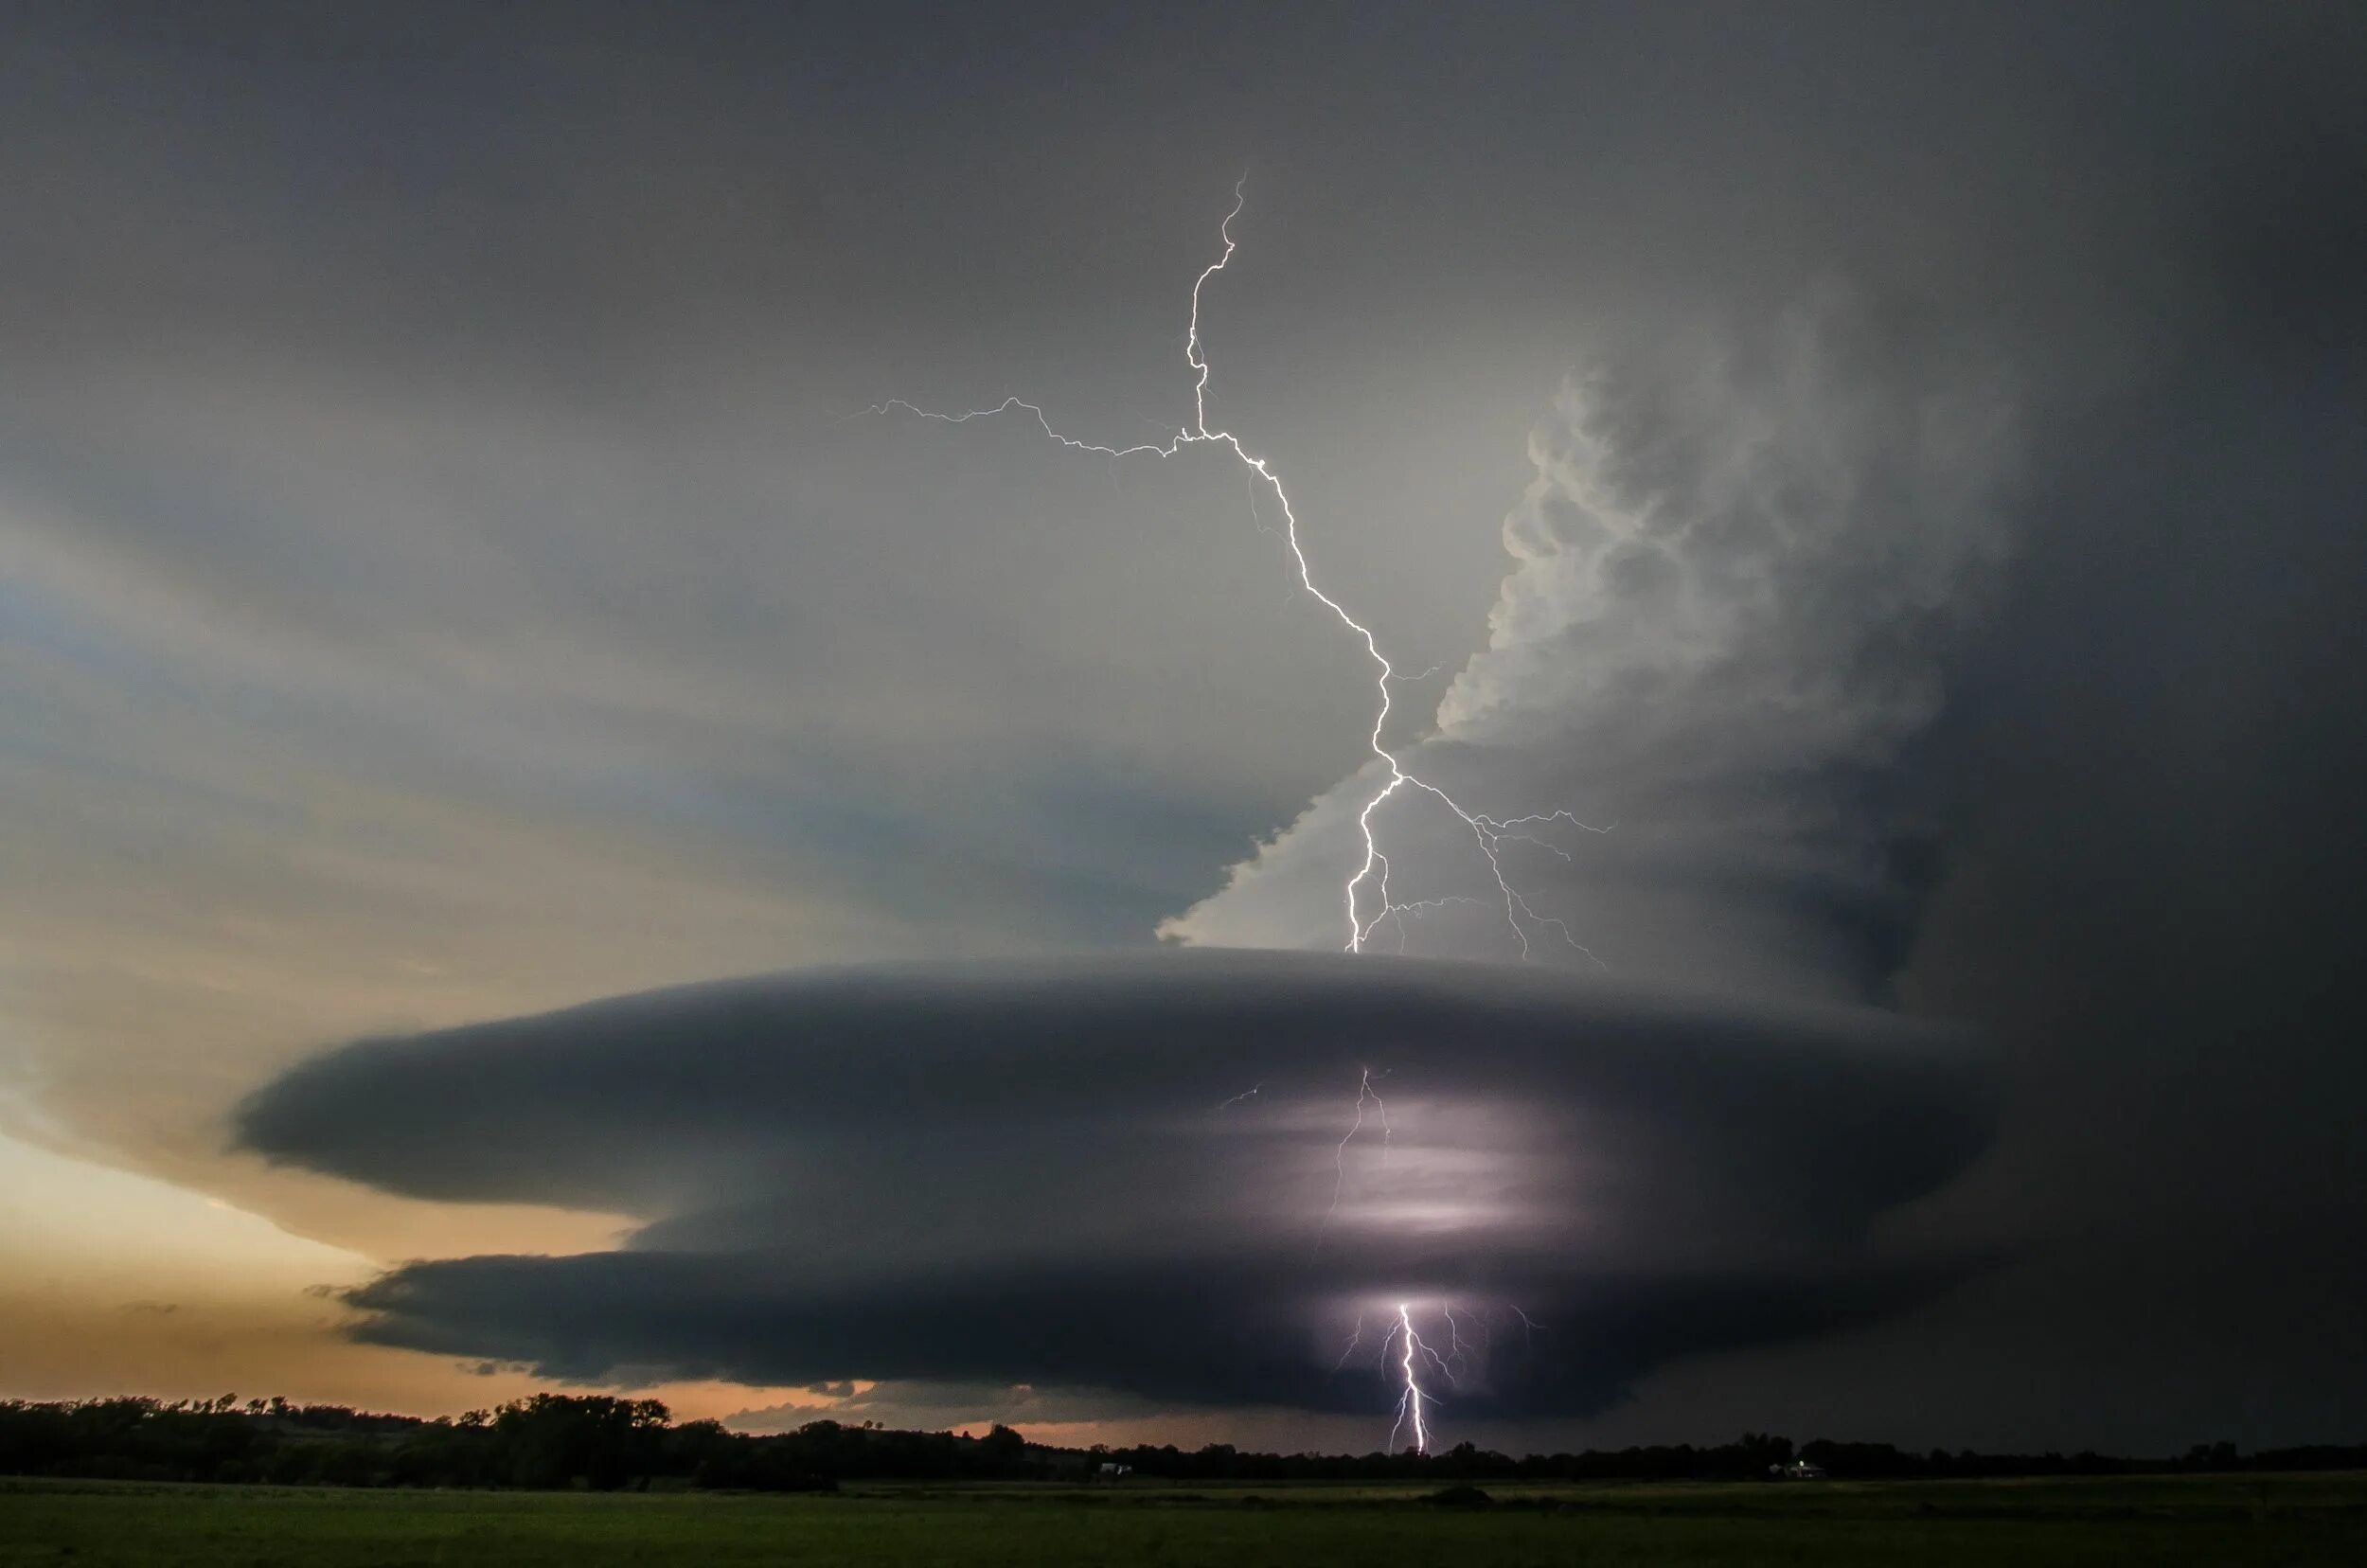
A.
x: 2217, y: 1520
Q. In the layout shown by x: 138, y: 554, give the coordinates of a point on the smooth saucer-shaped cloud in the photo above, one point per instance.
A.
x: 1183, y: 1177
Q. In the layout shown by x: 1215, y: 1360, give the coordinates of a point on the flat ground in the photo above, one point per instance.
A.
x: 2218, y: 1520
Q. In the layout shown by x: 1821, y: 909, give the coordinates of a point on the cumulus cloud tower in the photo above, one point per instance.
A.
x: 1739, y: 570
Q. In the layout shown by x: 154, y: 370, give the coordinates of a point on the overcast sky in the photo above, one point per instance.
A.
x: 1898, y: 471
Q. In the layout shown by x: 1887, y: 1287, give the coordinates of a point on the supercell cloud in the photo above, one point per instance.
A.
x: 1208, y: 1178
x: 1128, y: 1175
x: 439, y: 582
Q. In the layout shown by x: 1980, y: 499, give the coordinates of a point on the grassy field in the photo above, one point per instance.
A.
x: 2219, y: 1521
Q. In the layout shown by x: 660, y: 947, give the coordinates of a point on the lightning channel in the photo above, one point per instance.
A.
x: 1410, y: 1404
x: 1366, y: 1094
x: 1365, y: 897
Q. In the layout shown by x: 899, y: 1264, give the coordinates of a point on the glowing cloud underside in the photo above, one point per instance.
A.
x: 1364, y: 912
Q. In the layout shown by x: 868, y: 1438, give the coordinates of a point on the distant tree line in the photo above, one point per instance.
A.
x: 561, y: 1441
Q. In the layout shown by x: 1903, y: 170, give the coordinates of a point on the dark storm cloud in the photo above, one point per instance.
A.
x: 1200, y: 1332
x: 1052, y: 1174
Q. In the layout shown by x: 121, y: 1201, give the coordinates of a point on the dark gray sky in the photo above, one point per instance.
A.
x: 1899, y: 469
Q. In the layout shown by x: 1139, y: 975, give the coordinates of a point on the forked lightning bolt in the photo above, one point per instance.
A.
x: 1410, y: 1404
x: 1404, y: 1353
x: 1366, y: 896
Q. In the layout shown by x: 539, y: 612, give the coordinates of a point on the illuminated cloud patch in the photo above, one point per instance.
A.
x: 1129, y: 1175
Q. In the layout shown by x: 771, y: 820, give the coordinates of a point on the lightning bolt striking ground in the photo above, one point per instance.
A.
x: 1410, y: 1404
x: 1365, y: 911
x: 1404, y: 1353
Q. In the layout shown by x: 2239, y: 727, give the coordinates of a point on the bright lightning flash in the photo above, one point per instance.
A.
x: 1468, y: 1342
x: 1367, y: 894
x: 1410, y: 1404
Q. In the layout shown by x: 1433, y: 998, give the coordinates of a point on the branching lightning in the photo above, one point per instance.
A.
x: 1529, y: 1325
x: 1467, y: 1334
x: 1367, y: 897
x: 1356, y: 1337
x: 1460, y: 1350
x: 1404, y: 1354
x: 1366, y: 1094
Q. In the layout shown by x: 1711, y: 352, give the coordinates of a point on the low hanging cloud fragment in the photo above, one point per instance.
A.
x: 1129, y: 1175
